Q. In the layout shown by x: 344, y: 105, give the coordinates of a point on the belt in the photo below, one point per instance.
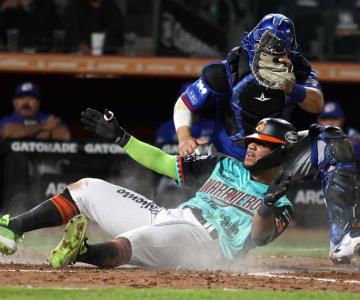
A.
x: 207, y: 226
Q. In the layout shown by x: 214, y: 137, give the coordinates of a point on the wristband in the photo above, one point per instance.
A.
x: 123, y: 140
x: 298, y: 93
x: 265, y: 211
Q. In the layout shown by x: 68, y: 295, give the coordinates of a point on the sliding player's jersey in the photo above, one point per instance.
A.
x: 228, y: 199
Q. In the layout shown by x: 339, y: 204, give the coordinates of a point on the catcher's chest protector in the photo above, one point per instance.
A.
x: 250, y: 101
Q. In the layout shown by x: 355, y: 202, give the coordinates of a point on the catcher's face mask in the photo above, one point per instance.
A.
x: 281, y: 26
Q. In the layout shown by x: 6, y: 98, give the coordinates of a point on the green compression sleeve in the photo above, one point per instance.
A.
x: 151, y: 157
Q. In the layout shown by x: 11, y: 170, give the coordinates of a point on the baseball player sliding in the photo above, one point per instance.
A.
x: 234, y: 210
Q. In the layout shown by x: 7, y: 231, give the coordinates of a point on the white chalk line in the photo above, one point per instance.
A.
x: 37, y: 271
x: 304, y: 278
x: 307, y: 278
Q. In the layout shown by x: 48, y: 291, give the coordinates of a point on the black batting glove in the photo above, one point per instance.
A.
x: 104, y: 125
x: 277, y: 189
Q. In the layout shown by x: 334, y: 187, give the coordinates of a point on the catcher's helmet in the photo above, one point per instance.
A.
x: 281, y: 26
x: 280, y: 134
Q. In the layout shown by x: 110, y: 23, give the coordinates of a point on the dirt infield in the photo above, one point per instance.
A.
x: 259, y: 271
x: 305, y: 274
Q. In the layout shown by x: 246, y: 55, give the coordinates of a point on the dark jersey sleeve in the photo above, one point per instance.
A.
x: 283, y: 216
x: 213, y: 84
x: 194, y: 170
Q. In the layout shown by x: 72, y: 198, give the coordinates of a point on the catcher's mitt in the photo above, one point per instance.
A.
x: 267, y: 69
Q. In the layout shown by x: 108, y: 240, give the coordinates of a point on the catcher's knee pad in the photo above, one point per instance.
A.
x: 338, y: 148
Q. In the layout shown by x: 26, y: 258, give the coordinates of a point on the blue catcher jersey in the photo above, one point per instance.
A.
x: 240, y: 108
x: 228, y: 199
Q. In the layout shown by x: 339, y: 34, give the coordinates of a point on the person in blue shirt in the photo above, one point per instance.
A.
x: 234, y: 209
x: 333, y: 114
x: 27, y: 121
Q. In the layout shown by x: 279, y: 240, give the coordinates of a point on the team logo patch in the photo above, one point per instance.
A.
x: 291, y: 137
x: 260, y: 127
x: 192, y: 97
x: 313, y: 82
x: 280, y: 225
x: 201, y: 87
x: 262, y: 98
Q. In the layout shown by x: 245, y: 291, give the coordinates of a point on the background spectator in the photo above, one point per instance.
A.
x: 333, y: 114
x: 27, y: 121
x: 82, y: 17
x: 28, y: 23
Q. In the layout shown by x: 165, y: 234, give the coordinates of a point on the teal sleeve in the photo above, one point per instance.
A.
x: 152, y: 157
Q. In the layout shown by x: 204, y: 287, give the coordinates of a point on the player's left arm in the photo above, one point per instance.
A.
x: 184, y: 169
x: 106, y: 125
x: 275, y: 213
x: 269, y: 224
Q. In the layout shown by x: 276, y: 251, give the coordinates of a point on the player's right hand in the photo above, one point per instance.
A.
x: 189, y: 146
x: 103, y: 124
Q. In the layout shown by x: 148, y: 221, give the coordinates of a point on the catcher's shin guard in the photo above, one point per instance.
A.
x: 341, y: 192
x: 340, y: 181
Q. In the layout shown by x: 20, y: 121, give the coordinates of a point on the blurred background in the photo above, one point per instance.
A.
x: 133, y: 57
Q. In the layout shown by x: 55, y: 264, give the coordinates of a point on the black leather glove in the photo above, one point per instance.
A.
x: 277, y: 189
x: 105, y: 125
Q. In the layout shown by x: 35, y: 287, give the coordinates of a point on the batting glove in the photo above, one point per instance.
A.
x: 277, y: 189
x: 104, y: 125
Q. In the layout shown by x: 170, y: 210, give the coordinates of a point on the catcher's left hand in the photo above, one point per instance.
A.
x: 270, y: 66
x: 277, y: 189
x: 103, y: 124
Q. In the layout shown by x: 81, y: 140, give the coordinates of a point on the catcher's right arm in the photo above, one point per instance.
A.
x: 267, y: 68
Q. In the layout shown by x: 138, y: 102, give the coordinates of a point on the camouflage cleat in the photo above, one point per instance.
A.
x: 71, y: 245
x: 8, y: 238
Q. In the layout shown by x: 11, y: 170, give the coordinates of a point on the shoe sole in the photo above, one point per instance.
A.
x: 7, y: 247
x: 346, y: 260
x: 66, y: 251
x: 7, y: 244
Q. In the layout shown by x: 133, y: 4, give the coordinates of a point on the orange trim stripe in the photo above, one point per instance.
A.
x: 266, y: 138
x: 181, y: 170
x: 271, y: 139
x: 66, y: 209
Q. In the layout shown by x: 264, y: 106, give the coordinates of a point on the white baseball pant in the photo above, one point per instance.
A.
x: 159, y: 237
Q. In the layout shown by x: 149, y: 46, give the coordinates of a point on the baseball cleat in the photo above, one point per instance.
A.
x: 8, y: 238
x: 347, y: 249
x: 68, y: 249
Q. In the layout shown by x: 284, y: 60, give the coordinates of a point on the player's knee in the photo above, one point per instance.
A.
x: 341, y: 151
x: 84, y: 184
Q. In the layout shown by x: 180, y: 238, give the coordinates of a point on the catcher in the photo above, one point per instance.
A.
x: 234, y: 210
x: 265, y: 77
